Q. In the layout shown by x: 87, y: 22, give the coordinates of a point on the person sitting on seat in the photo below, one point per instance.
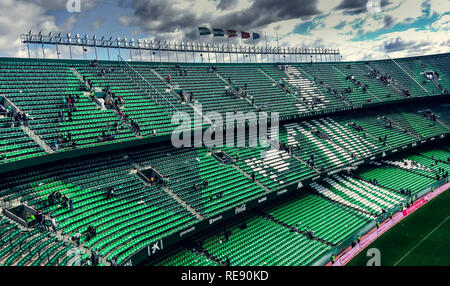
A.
x: 77, y: 238
x: 91, y: 232
x: 30, y: 218
x: 110, y: 193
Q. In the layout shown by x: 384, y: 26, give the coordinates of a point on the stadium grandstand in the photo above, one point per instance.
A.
x: 90, y: 174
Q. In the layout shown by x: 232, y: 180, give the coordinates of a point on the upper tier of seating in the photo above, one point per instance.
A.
x: 42, y: 88
x: 15, y: 144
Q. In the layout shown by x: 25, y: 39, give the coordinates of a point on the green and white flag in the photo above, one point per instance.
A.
x: 218, y: 32
x: 204, y: 31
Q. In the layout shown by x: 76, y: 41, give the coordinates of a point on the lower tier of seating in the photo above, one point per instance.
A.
x: 34, y: 247
x: 334, y: 209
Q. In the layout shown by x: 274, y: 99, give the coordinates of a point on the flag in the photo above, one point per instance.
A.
x: 245, y: 35
x: 204, y: 31
x: 256, y: 36
x: 232, y: 33
x: 218, y: 33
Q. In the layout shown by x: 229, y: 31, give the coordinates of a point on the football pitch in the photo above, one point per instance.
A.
x: 420, y: 239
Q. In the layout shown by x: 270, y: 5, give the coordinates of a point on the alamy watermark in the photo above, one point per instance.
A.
x: 75, y: 260
x: 374, y: 6
x: 375, y: 257
x: 233, y: 135
x: 73, y: 6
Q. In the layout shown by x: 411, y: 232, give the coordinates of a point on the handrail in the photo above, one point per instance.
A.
x: 145, y: 82
x: 408, y: 74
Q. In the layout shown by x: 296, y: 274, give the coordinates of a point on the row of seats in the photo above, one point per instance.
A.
x: 335, y: 210
x: 137, y: 212
x: 34, y: 247
x: 15, y: 144
x: 40, y: 90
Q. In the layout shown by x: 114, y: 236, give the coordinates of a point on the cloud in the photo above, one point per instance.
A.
x: 25, y: 15
x: 227, y: 4
x: 353, y: 7
x: 388, y: 21
x: 169, y: 16
x: 397, y: 44
x: 52, y: 5
x: 95, y: 25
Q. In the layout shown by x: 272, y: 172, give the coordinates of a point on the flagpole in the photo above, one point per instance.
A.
x: 267, y: 45
x: 242, y: 44
x: 214, y: 44
x: 228, y: 40
x: 278, y: 48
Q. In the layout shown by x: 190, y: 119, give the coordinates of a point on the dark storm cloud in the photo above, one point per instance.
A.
x: 156, y: 16
x: 388, y: 21
x: 265, y: 12
x: 54, y: 5
x: 353, y: 7
x: 159, y: 16
x: 399, y: 44
x: 226, y: 4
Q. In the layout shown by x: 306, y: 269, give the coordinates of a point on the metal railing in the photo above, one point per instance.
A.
x: 146, y: 85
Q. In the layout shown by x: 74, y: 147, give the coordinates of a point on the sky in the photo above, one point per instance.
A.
x: 397, y: 28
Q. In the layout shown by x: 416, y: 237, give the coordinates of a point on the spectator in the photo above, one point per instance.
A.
x: 71, y: 205
x: 114, y: 261
x: 66, y: 201
x: 77, y: 238
x: 227, y: 261
x: 94, y: 258
x: 58, y: 196
x: 110, y: 193
x: 39, y: 217
x: 54, y: 225
x: 91, y: 232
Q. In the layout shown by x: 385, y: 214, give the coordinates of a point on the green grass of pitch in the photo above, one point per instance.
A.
x: 420, y: 239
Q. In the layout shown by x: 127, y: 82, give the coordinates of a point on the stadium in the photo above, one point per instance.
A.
x: 136, y: 152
